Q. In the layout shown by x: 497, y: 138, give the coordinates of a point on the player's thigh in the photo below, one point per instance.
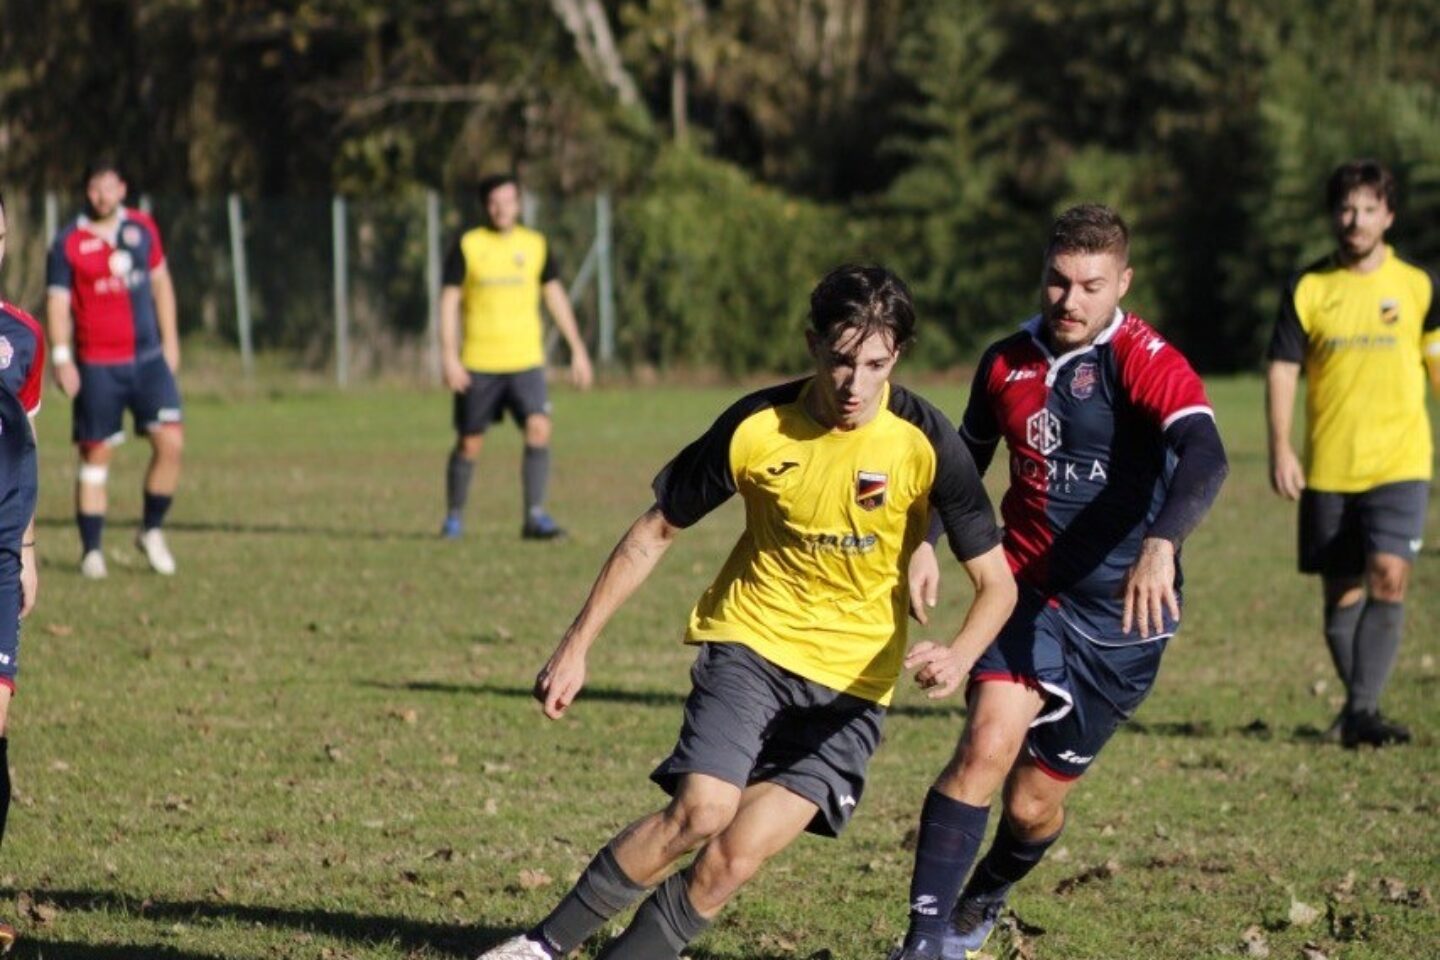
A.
x: 527, y: 398
x: 155, y: 398
x: 769, y: 819
x: 1329, y: 537
x: 479, y: 405
x: 1392, y: 517
x: 1021, y: 679
x: 98, y: 410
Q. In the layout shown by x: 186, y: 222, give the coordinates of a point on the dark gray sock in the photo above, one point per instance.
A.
x: 457, y: 481
x: 1377, y: 643
x: 663, y: 926
x: 602, y: 891
x: 1340, y: 626
x: 535, y: 476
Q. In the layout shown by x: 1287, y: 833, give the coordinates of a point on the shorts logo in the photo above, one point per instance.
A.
x: 1070, y: 756
x: 847, y: 801
x: 1415, y: 545
x: 1042, y: 431
x: 120, y: 263
x: 7, y: 353
x: 1389, y: 311
x: 1082, y: 385
x: 870, y: 489
x: 130, y: 235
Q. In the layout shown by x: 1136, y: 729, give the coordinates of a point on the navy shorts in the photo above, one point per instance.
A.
x: 1339, y: 530
x: 11, y: 598
x: 1089, y: 689
x: 147, y: 388
x: 750, y: 721
x: 490, y: 395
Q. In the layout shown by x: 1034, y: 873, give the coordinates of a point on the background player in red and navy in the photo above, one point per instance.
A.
x: 22, y: 364
x: 115, y: 345
x: 1114, y: 459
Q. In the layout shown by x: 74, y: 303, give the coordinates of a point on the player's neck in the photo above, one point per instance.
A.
x: 1368, y: 263
x: 822, y: 408
x: 106, y: 224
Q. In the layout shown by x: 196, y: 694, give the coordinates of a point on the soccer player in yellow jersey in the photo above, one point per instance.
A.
x: 493, y: 351
x: 1365, y: 325
x: 802, y: 635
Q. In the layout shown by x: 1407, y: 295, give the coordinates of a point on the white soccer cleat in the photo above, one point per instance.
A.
x: 517, y: 948
x: 152, y: 543
x: 92, y: 566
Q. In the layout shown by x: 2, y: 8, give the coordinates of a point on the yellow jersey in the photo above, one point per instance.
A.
x: 500, y: 276
x: 1363, y: 339
x: 817, y: 582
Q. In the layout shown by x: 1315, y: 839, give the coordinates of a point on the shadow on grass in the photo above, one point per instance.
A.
x: 449, y: 939
x: 642, y: 698
x: 38, y: 948
x: 263, y: 529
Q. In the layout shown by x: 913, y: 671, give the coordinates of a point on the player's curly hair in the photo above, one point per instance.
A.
x: 1354, y: 174
x: 867, y: 298
x: 1089, y: 228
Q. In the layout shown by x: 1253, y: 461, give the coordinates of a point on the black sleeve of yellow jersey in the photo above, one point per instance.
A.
x: 1432, y: 317
x: 1287, y: 340
x: 957, y: 495
x: 700, y: 479
x: 453, y: 273
x: 551, y: 269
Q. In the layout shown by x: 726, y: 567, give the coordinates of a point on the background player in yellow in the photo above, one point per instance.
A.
x: 1365, y: 325
x: 492, y: 348
x: 801, y: 636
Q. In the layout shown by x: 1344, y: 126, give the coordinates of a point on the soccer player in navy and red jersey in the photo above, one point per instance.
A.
x: 115, y: 345
x: 1114, y: 459
x: 22, y: 365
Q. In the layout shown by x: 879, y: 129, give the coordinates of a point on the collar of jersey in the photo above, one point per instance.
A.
x: 121, y: 215
x: 829, y: 431
x: 1056, y: 364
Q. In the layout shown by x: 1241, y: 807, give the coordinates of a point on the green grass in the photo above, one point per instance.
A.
x: 316, y: 741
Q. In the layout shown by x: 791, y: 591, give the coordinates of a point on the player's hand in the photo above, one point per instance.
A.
x: 1287, y: 477
x: 457, y: 378
x: 172, y: 358
x: 559, y: 682
x: 939, y: 670
x: 924, y: 582
x: 1150, y: 588
x: 67, y: 375
x: 582, y: 374
x: 29, y: 581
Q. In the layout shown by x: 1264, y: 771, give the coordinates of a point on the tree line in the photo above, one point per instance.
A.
x: 751, y: 144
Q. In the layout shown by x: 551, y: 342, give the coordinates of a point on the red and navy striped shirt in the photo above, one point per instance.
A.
x: 107, y: 279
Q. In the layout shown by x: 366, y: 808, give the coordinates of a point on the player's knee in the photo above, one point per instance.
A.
x: 169, y: 440
x: 1031, y: 815
x: 468, y: 445
x: 989, y: 747
x: 726, y: 867
x: 1387, y: 580
x: 537, y: 430
x: 694, y: 820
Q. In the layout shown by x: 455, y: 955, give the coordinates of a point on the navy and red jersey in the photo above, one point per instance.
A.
x: 22, y: 365
x: 108, y: 281
x: 1089, y: 466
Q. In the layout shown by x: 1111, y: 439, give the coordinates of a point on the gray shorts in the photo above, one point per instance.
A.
x: 1339, y: 530
x: 749, y: 721
x: 492, y: 394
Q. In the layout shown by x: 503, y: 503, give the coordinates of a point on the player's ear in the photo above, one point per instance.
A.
x: 812, y: 343
x: 1125, y: 277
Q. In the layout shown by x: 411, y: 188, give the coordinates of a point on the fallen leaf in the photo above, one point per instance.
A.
x: 1252, y: 941
x: 534, y: 879
x: 492, y: 806
x: 444, y: 853
x: 1319, y: 687
x: 59, y: 766
x: 1312, y: 951
x: 1302, y: 914
x: 59, y: 629
x: 220, y: 892
x: 1102, y: 871
x: 334, y: 753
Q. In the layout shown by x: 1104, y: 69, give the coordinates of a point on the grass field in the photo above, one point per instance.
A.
x: 317, y: 742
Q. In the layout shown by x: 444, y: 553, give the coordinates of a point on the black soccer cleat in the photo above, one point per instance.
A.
x: 1370, y: 727
x: 541, y: 526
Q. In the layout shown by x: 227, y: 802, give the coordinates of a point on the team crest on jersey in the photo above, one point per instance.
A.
x: 870, y: 489
x: 519, y: 259
x: 130, y: 235
x: 1389, y: 311
x: 120, y: 263
x: 1082, y: 385
x: 7, y: 353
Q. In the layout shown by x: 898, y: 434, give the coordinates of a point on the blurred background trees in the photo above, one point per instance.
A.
x: 750, y: 144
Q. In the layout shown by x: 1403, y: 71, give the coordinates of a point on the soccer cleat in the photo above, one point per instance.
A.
x: 971, y: 924
x: 919, y: 949
x: 1334, y: 732
x: 517, y: 948
x: 541, y: 526
x: 7, y: 937
x: 92, y: 565
x: 1369, y: 727
x: 452, y: 527
x: 152, y: 543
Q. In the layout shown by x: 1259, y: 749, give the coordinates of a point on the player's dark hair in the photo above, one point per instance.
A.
x: 104, y: 163
x: 868, y: 299
x: 1354, y: 174
x: 494, y: 181
x: 1089, y: 228
x: 2, y: 201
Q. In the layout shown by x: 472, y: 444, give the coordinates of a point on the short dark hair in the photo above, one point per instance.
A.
x: 1089, y: 228
x: 104, y: 163
x: 1354, y: 174
x: 868, y: 299
x: 494, y: 181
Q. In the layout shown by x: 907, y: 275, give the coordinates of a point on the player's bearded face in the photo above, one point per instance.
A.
x: 1361, y: 220
x: 1080, y: 292
x: 851, y: 371
x: 105, y: 192
x: 503, y: 206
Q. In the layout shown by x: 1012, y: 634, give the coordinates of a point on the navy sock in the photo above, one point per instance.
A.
x: 92, y: 527
x: 1006, y: 862
x: 156, y: 506
x: 950, y: 835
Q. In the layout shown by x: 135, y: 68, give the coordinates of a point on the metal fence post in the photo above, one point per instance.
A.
x: 605, y: 289
x: 242, y: 284
x: 342, y: 287
x: 432, y: 282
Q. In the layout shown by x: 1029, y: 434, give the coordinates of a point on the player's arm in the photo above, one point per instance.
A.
x: 1287, y: 476
x: 557, y: 301
x: 628, y: 566
x: 163, y: 290
x: 1430, y: 336
x: 29, y: 570
x: 457, y: 378
x: 941, y: 669
x: 58, y: 321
